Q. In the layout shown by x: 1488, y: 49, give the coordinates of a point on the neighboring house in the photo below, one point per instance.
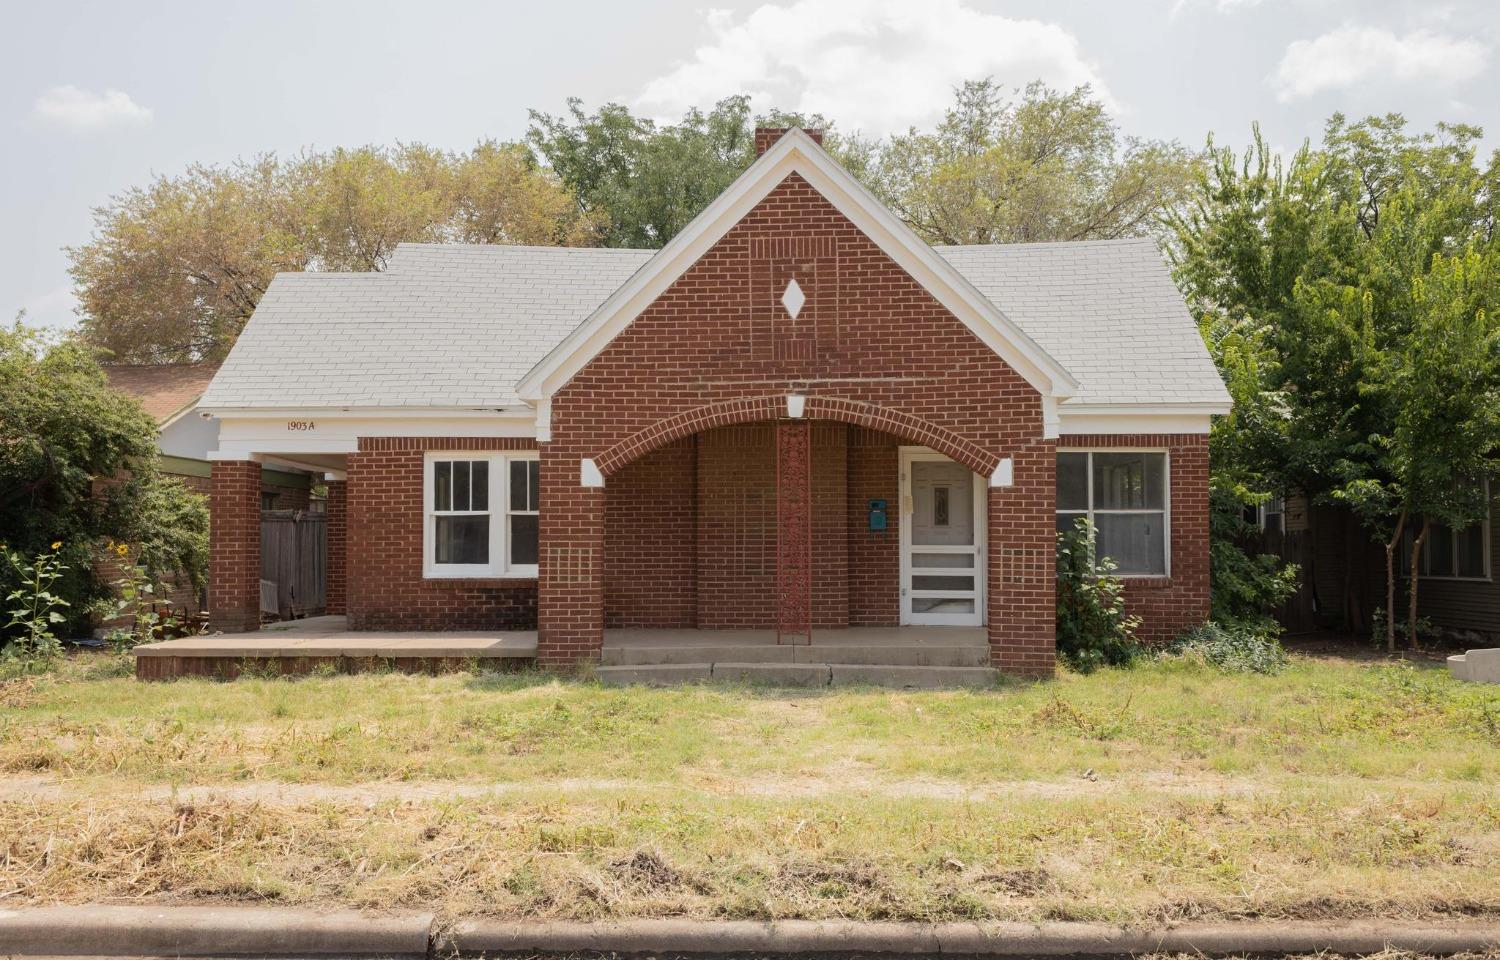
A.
x: 169, y: 392
x: 797, y: 417
x: 1343, y: 571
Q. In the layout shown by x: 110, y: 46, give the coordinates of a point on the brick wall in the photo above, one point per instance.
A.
x: 386, y: 589
x: 234, y: 547
x: 336, y: 574
x: 868, y: 334
x: 874, y: 557
x: 1169, y: 605
x: 650, y: 540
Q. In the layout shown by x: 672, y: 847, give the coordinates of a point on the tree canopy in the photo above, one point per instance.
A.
x: 1346, y: 294
x: 175, y: 268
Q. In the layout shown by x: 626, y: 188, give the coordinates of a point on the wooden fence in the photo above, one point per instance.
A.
x: 1302, y: 611
x: 293, y: 557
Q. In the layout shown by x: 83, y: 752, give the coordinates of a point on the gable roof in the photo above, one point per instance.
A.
x: 798, y: 153
x: 165, y: 390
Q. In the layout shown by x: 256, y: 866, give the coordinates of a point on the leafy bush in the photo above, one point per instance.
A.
x: 1246, y: 587
x: 35, y: 611
x: 1232, y: 648
x: 1093, y: 629
x: 78, y: 466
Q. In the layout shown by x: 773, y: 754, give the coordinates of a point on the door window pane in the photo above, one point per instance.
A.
x: 955, y: 582
x: 942, y: 560
x: 941, y: 605
x: 1133, y: 540
x: 523, y: 539
x: 1128, y: 481
x: 463, y: 540
x: 1072, y: 481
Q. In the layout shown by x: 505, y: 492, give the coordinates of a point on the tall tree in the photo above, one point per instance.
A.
x: 1319, y: 265
x: 174, y: 269
x: 1046, y: 166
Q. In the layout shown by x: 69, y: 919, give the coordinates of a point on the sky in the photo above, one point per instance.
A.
x: 98, y: 97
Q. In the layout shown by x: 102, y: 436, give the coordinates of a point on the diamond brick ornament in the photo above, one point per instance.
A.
x: 793, y: 298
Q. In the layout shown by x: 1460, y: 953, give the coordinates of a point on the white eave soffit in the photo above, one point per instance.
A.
x: 796, y: 152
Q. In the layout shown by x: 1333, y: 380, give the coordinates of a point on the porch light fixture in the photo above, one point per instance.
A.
x: 796, y: 405
x: 589, y: 475
x: 1004, y: 475
x: 793, y: 298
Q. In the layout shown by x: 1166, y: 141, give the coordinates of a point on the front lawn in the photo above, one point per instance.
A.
x: 1170, y: 790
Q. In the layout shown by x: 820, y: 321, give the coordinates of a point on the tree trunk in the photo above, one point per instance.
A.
x: 1390, y: 583
x: 1411, y: 610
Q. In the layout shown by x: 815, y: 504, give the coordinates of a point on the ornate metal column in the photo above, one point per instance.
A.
x: 794, y: 531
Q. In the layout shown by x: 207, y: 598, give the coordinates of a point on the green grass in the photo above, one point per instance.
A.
x: 1170, y: 790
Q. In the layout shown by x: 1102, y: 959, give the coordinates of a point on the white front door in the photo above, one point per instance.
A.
x: 942, y: 541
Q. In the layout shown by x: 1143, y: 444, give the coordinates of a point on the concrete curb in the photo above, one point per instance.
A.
x: 122, y: 931
x: 817, y: 938
x: 211, y: 931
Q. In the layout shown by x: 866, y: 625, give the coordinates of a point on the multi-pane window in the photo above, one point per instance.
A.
x: 1124, y: 495
x: 481, y: 515
x: 1449, y: 552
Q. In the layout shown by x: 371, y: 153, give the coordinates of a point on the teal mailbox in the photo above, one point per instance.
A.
x: 877, y: 514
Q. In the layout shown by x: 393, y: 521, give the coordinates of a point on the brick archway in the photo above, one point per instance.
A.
x: 756, y: 409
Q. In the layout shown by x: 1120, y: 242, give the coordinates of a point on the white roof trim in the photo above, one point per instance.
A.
x: 796, y: 152
x: 525, y: 414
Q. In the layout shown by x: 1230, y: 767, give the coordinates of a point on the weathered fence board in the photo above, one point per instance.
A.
x: 294, y: 556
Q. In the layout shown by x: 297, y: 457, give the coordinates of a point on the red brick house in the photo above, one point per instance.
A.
x: 796, y: 418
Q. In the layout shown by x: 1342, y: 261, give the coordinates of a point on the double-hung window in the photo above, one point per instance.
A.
x: 480, y: 515
x: 1124, y: 495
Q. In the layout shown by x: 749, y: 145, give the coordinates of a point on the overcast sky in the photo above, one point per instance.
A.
x: 96, y: 97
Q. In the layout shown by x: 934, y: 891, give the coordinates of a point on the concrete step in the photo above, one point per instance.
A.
x: 904, y: 654
x: 901, y: 677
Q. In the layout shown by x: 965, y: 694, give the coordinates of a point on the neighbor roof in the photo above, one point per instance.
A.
x: 449, y: 325
x: 164, y: 389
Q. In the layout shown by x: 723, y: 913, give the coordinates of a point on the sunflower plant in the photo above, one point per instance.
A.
x: 35, y: 611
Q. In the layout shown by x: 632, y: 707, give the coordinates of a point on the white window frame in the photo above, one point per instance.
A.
x: 1263, y: 511
x: 1484, y: 536
x: 1165, y: 511
x: 499, y: 513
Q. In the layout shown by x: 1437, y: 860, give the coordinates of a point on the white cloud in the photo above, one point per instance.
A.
x: 79, y: 109
x: 878, y: 66
x: 1351, y: 55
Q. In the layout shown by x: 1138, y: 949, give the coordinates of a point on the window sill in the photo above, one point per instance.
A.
x: 499, y: 580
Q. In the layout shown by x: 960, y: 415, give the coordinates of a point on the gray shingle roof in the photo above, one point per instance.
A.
x: 458, y: 326
x: 1107, y: 310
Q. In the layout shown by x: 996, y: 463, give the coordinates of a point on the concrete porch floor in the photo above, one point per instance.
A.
x: 331, y: 637
x: 844, y: 636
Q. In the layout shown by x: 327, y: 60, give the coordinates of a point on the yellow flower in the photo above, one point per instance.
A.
x: 56, y: 544
x: 122, y: 549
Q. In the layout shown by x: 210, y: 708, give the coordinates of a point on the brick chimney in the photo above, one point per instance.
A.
x: 766, y: 136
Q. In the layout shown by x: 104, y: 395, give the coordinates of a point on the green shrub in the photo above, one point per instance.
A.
x: 1093, y: 629
x: 1247, y: 587
x: 1232, y: 648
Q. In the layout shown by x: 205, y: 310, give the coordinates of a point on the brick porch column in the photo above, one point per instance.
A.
x: 234, y: 546
x: 1022, y: 584
x: 337, y: 526
x: 570, y: 588
x: 794, y: 531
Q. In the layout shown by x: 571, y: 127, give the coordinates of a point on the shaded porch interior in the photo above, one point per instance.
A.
x: 692, y: 543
